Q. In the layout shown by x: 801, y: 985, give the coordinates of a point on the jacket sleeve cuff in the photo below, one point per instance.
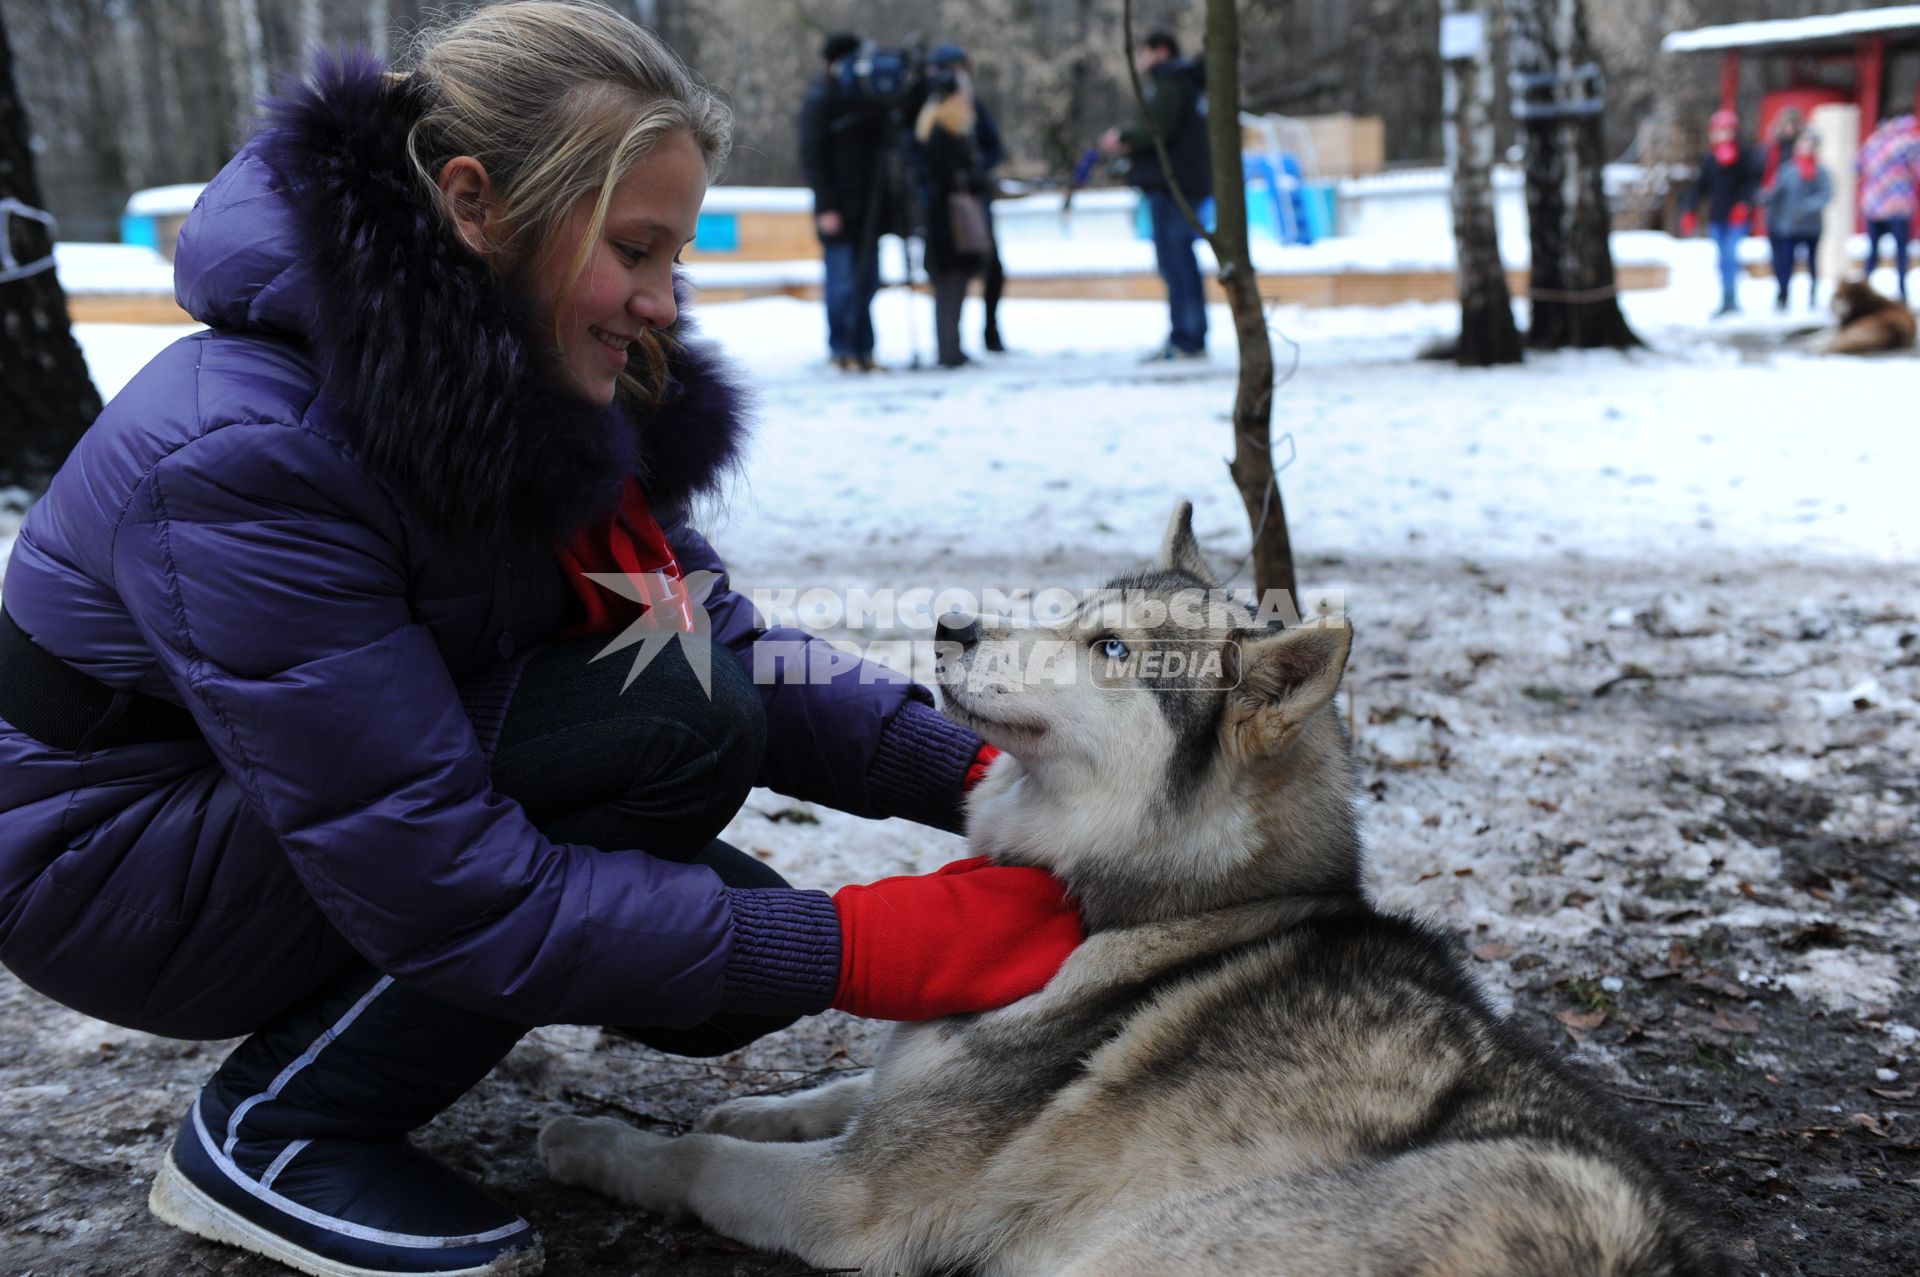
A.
x: 919, y: 769
x: 785, y: 957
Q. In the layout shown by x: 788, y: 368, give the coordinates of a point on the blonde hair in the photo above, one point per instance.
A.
x: 558, y: 99
x: 952, y: 112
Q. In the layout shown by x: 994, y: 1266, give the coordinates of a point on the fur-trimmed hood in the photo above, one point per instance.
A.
x: 318, y: 231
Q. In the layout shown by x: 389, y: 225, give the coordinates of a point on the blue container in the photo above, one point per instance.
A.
x: 1322, y: 201
x: 717, y: 233
x: 141, y: 229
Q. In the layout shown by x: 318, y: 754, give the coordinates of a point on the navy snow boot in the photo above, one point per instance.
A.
x: 297, y: 1148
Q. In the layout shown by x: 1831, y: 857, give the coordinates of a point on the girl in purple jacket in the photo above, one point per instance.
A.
x: 301, y: 737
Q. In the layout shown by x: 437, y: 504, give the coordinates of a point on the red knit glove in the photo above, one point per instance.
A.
x: 970, y: 937
x: 977, y: 769
x: 1738, y: 217
x: 1689, y: 223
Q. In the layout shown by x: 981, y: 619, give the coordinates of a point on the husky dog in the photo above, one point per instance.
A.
x: 1244, y: 1069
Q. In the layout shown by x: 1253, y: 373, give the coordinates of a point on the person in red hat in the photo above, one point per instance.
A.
x: 1729, y: 175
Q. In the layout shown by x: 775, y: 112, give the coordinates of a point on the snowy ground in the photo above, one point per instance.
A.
x: 1635, y: 692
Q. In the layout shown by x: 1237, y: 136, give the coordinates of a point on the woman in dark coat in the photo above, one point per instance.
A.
x: 953, y: 189
x: 299, y: 734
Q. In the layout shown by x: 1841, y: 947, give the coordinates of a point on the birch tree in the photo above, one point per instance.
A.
x: 1488, y: 334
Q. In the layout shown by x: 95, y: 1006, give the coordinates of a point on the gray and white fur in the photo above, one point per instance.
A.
x: 1244, y: 1069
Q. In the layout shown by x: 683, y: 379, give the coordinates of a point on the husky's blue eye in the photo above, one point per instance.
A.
x: 1114, y: 650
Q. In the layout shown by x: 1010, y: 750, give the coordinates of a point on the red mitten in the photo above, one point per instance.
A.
x: 977, y: 769
x: 970, y: 937
x: 1738, y: 217
x: 1689, y: 223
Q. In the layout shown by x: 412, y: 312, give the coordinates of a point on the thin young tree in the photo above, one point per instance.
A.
x: 1488, y: 335
x: 1559, y: 93
x: 1252, y: 464
x: 46, y: 395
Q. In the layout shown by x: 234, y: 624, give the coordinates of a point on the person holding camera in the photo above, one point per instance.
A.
x: 1176, y: 114
x: 842, y: 143
x: 956, y: 215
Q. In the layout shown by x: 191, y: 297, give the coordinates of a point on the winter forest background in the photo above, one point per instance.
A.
x: 126, y: 94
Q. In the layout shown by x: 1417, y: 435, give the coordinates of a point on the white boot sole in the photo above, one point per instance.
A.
x: 176, y: 1201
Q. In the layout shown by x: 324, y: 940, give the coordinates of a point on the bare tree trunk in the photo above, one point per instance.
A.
x: 46, y: 395
x: 1488, y: 334
x: 1252, y: 465
x: 246, y: 59
x: 312, y: 30
x: 377, y: 20
x: 1558, y: 96
x: 130, y: 45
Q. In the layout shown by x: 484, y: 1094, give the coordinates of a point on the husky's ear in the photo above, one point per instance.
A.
x: 1180, y: 552
x: 1285, y: 676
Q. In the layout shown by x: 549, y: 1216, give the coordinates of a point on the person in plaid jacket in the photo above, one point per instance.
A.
x: 1889, y: 173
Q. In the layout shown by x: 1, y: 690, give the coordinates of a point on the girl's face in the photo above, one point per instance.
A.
x: 1806, y: 146
x: 627, y: 283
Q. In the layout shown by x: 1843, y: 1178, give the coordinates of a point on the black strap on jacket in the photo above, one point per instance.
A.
x: 57, y: 705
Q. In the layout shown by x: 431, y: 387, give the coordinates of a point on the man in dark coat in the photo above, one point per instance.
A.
x: 1176, y: 113
x: 842, y: 151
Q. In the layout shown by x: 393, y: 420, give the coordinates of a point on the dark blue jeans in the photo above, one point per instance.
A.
x: 1899, y: 228
x: 853, y: 277
x: 1726, y: 237
x: 1786, y: 248
x: 1173, y: 255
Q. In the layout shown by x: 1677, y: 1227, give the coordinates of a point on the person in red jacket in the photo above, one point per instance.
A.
x: 303, y: 738
x: 1729, y: 177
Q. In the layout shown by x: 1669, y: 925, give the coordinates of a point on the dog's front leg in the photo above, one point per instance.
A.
x: 815, y: 1114
x: 786, y: 1197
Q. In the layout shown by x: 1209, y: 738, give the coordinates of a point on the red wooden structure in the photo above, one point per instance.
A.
x: 1857, y: 43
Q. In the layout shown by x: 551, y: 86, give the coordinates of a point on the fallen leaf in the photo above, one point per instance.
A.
x: 1890, y: 1093
x: 1492, y: 952
x: 1866, y: 1122
x: 1463, y: 873
x: 1585, y: 1021
x: 1735, y: 1021
x: 1713, y: 982
x: 1432, y: 821
x: 1544, y: 804
x: 1823, y: 935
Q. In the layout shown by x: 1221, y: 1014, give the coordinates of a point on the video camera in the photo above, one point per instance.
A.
x: 894, y: 78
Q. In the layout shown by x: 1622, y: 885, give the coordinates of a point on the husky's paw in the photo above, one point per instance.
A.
x: 770, y: 1119
x: 613, y: 1159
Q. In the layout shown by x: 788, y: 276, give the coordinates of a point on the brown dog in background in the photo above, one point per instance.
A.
x: 1868, y: 322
